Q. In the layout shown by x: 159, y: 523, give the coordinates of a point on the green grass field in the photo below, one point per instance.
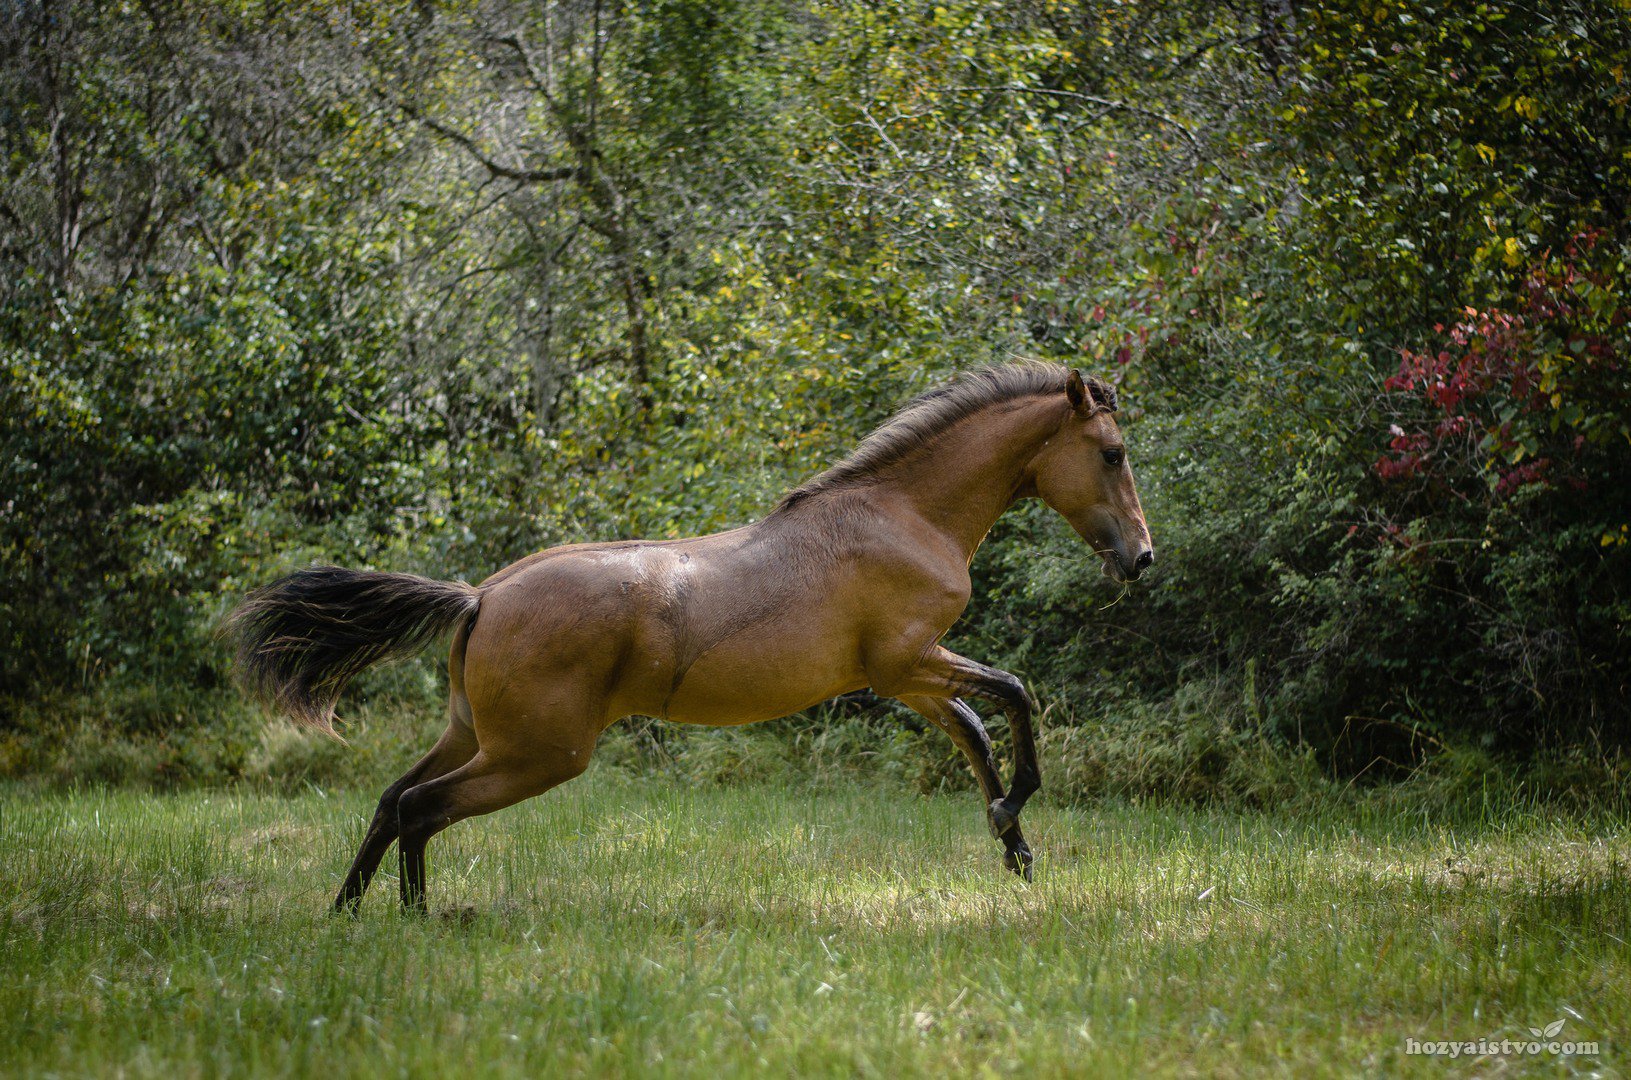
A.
x: 638, y: 928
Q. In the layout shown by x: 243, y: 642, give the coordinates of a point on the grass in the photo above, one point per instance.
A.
x: 637, y: 927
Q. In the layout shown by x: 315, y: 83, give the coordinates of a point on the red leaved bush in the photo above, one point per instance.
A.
x: 1512, y: 397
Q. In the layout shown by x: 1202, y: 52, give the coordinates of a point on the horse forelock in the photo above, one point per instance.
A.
x: 923, y: 418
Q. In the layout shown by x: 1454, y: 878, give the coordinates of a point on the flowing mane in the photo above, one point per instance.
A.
x: 925, y: 416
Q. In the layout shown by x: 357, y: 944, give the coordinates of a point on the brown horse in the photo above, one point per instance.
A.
x: 850, y: 582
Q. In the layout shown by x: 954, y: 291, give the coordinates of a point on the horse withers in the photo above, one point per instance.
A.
x: 849, y: 582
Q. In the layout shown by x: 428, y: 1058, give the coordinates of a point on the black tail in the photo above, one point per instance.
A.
x: 301, y: 638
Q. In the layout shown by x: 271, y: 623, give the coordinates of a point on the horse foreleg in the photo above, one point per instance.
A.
x: 456, y: 746
x: 942, y: 673
x: 961, y: 723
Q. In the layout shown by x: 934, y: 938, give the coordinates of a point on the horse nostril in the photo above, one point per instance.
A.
x: 1145, y: 560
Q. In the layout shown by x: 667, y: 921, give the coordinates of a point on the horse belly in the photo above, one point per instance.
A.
x: 759, y: 680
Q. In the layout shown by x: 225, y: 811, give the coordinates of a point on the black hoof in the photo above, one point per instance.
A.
x: 1019, y: 860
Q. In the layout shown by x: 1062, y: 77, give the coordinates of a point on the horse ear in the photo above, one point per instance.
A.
x: 1076, y: 390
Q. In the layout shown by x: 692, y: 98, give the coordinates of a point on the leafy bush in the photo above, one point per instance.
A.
x: 359, y: 284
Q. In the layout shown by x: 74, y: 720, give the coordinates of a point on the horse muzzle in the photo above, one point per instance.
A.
x: 1118, y: 568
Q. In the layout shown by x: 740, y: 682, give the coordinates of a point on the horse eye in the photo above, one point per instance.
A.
x: 1113, y: 456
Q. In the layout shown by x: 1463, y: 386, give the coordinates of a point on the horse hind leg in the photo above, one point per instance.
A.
x: 456, y: 746
x: 484, y: 784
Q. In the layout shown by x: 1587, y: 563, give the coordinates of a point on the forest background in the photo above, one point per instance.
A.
x: 427, y: 286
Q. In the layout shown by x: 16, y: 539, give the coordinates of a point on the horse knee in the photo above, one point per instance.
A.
x: 971, y: 730
x: 1008, y: 690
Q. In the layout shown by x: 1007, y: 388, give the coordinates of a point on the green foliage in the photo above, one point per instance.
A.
x: 488, y: 277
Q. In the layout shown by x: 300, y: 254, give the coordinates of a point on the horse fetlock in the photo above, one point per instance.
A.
x: 1019, y: 859
x: 1003, y: 819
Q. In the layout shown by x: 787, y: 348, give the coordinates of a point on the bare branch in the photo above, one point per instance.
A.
x: 497, y: 168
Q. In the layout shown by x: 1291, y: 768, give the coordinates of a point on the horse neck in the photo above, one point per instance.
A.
x: 966, y: 477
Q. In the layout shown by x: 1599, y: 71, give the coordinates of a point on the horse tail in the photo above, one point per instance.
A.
x: 300, y: 639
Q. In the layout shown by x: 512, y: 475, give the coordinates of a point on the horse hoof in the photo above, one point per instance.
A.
x: 1019, y: 860
x: 1002, y: 819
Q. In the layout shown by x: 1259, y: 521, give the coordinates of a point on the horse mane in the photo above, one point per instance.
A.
x: 923, y: 418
